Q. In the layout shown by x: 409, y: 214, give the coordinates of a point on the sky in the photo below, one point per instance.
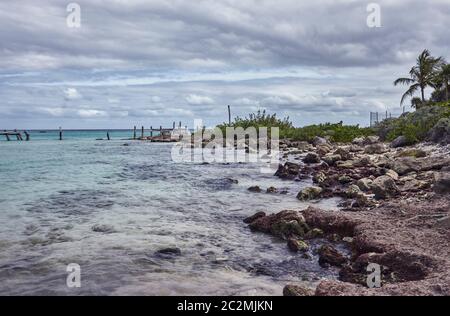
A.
x: 153, y: 62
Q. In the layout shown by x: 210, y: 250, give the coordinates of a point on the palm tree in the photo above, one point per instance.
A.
x: 422, y: 75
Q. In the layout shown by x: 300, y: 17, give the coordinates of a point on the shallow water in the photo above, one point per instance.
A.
x: 54, y: 193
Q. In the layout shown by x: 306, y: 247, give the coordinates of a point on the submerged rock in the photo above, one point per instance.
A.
x: 289, y: 170
x: 285, y: 224
x: 255, y: 188
x: 272, y: 190
x: 254, y: 217
x: 107, y: 229
x: 169, y: 251
x: 330, y: 256
x: 297, y: 245
x: 309, y: 193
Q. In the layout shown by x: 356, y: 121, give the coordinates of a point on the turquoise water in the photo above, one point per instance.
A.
x: 37, y: 135
x: 54, y: 193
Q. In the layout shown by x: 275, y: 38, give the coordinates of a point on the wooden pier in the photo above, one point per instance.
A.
x: 163, y: 135
x: 16, y: 134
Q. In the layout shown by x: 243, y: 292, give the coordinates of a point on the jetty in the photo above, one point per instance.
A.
x: 162, y: 135
x: 16, y: 134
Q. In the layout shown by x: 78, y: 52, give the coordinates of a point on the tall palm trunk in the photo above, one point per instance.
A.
x: 422, y: 89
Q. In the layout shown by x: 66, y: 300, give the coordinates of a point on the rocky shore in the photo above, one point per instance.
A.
x: 395, y: 212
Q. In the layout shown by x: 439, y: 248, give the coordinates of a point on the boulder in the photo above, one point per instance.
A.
x: 297, y: 245
x: 352, y: 191
x: 440, y: 133
x: 344, y: 179
x: 272, y: 190
x: 285, y: 224
x: 377, y: 148
x: 330, y: 256
x: 331, y: 159
x: 349, y: 164
x: 294, y: 290
x: 364, y: 184
x: 319, y: 178
x: 404, y: 165
x: 400, y: 141
x: 254, y: 217
x: 414, y: 152
x: 384, y: 187
x: 311, y: 158
x: 169, y: 251
x: 344, y: 153
x: 106, y: 229
x: 255, y: 188
x: 442, y: 182
x: 319, y: 141
x: 371, y: 140
x: 359, y: 141
x: 314, y: 233
x: 309, y: 193
x: 289, y: 170
x: 392, y: 174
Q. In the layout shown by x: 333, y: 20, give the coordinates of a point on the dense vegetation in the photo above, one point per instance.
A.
x: 337, y: 132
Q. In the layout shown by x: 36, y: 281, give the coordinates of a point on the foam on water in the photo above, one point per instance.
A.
x: 140, y: 202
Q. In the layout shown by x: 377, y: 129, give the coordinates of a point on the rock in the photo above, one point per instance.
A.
x: 319, y: 141
x: 349, y: 164
x: 384, y: 187
x: 362, y: 200
x: 169, y: 251
x: 297, y: 245
x: 442, y: 182
x: 330, y: 256
x: 303, y: 146
x: 364, y: 184
x: 255, y: 188
x: 294, y: 290
x: 359, y: 141
x: 377, y: 148
x: 319, y: 178
x: 314, y: 233
x: 392, y: 174
x: 440, y: 133
x: 107, y: 229
x: 355, y: 148
x: 416, y: 153
x: 369, y: 140
x: 400, y: 141
x: 309, y: 193
x: 404, y: 165
x: 254, y: 217
x: 344, y: 179
x: 311, y: 158
x: 322, y: 150
x: 352, y: 191
x: 344, y: 153
x: 289, y: 170
x: 348, y: 240
x: 363, y: 162
x: 272, y: 190
x: 331, y: 159
x: 284, y: 224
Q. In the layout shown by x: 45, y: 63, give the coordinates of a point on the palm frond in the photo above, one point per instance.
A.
x: 404, y: 81
x: 410, y: 92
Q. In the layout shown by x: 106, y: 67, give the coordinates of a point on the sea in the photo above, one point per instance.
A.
x: 110, y: 207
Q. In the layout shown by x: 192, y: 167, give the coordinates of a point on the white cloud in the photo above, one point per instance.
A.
x: 195, y: 99
x: 72, y: 94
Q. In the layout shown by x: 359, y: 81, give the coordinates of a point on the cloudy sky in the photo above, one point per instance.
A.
x: 152, y: 62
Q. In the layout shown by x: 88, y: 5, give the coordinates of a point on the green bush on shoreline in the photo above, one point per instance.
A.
x: 337, y: 132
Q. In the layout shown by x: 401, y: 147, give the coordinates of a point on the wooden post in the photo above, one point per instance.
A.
x: 142, y: 132
x: 134, y: 133
x: 60, y: 134
x: 174, y: 125
x: 160, y: 132
x: 107, y: 136
x: 229, y: 116
x: 27, y: 136
x: 7, y: 137
x: 180, y: 125
x: 151, y: 131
